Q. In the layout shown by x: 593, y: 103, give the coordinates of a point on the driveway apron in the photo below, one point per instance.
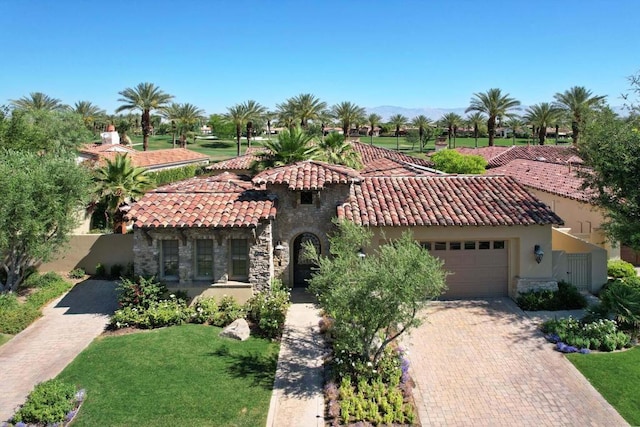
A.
x: 484, y: 363
x: 47, y: 346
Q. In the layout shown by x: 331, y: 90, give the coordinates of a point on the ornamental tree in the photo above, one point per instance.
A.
x: 41, y: 196
x: 376, y: 298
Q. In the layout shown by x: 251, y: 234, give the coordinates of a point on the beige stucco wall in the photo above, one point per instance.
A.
x: 565, y: 243
x: 87, y: 250
x: 521, y: 241
x: 584, y: 219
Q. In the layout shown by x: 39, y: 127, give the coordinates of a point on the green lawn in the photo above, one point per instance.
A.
x: 182, y: 375
x: 617, y: 377
x: 4, y: 338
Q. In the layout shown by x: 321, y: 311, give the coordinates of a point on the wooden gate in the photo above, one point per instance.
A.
x: 579, y: 270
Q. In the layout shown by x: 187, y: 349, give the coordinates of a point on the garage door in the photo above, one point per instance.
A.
x: 479, y: 268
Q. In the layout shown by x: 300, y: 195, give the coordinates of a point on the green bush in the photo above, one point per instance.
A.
x: 48, y: 403
x: 172, y: 175
x: 205, y: 310
x: 13, y: 320
x: 101, y: 270
x: 622, y: 300
x: 619, y: 269
x: 267, y: 310
x: 140, y: 293
x: 601, y: 335
x: 76, y: 273
x: 567, y: 297
x: 116, y: 271
x: 228, y: 311
x: 164, y: 313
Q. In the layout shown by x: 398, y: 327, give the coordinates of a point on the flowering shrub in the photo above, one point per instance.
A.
x: 50, y: 402
x: 159, y: 314
x: 570, y: 333
x: 205, y: 310
x: 268, y: 310
x: 141, y: 292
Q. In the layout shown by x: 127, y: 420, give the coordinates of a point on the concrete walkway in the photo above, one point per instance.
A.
x: 47, y: 346
x: 485, y: 363
x: 297, y: 399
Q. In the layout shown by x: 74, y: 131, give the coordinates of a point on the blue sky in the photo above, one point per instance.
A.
x: 412, y: 54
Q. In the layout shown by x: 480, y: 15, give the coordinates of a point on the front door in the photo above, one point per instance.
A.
x: 303, y: 266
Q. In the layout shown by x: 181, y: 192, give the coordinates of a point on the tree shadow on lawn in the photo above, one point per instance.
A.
x: 217, y: 144
x: 259, y: 367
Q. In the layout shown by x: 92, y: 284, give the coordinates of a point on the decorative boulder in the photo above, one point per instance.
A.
x: 238, y: 330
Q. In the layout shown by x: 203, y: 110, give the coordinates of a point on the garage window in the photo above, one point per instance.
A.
x: 440, y: 246
x: 455, y: 246
x: 484, y: 245
x: 426, y: 245
x: 470, y: 245
x: 498, y: 244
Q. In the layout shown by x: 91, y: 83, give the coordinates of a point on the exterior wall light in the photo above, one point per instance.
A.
x: 277, y: 250
x: 361, y: 254
x: 538, y: 253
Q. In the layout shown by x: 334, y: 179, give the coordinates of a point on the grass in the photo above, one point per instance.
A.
x: 617, y: 377
x: 4, y: 338
x: 182, y: 375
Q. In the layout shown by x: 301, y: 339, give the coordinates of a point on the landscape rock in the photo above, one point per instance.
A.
x: 238, y: 330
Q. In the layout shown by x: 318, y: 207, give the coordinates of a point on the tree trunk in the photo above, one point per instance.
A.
x: 269, y: 129
x: 475, y: 134
x: 542, y: 133
x: 146, y: 129
x: 576, y: 132
x: 397, y: 138
x: 557, y: 130
x: 491, y: 127
x: 249, y: 129
x: 421, y: 136
x: 238, y: 136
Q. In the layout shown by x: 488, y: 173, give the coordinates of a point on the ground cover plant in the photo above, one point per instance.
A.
x: 619, y: 269
x: 52, y: 402
x: 16, y: 312
x: 616, y: 376
x: 184, y: 375
x: 602, y: 334
x: 566, y: 297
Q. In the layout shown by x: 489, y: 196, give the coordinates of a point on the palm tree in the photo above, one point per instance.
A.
x: 268, y: 116
x: 515, y: 122
x: 373, y: 120
x: 254, y: 112
x: 307, y: 107
x: 451, y: 121
x: 347, y: 113
x: 291, y: 146
x: 421, y: 122
x: 540, y: 116
x: 474, y: 121
x: 286, y: 113
x: 398, y: 120
x: 145, y: 97
x: 184, y: 118
x: 90, y: 113
x: 492, y: 103
x: 241, y: 115
x: 118, y: 182
x: 37, y: 101
x: 577, y: 101
x: 335, y: 149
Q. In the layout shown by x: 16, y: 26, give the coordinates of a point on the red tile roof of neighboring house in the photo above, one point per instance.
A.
x: 550, y: 177
x: 307, y: 175
x: 242, y: 162
x: 392, y: 167
x: 222, y: 201
x: 97, y: 149
x: 498, y: 156
x: 369, y: 153
x: 155, y: 159
x: 444, y: 200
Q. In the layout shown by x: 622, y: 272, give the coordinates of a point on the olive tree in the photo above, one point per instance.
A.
x: 373, y: 299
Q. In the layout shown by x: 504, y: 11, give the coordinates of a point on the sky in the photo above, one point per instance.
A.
x: 412, y: 54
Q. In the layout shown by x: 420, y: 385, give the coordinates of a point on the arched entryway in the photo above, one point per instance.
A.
x: 302, y: 265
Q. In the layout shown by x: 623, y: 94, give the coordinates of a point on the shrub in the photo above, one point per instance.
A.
x: 116, y: 271
x: 171, y: 175
x: 619, y: 269
x: 567, y: 297
x: 205, y: 310
x: 164, y: 313
x: 76, y: 273
x: 126, y: 317
x: 602, y: 334
x: 268, y: 310
x: 141, y: 292
x: 15, y: 319
x: 622, y: 299
x: 228, y: 311
x: 48, y: 403
x: 101, y: 270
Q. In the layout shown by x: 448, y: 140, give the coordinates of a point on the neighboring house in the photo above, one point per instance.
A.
x: 228, y: 234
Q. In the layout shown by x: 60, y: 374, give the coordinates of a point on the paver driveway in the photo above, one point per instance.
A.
x: 484, y: 363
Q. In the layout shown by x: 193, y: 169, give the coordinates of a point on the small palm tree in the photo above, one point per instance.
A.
x: 184, y: 118
x: 373, y: 120
x: 241, y: 115
x: 494, y: 104
x: 577, y: 101
x: 90, y: 113
x: 145, y: 97
x: 475, y: 121
x: 118, y: 182
x: 540, y: 116
x: 255, y: 111
x: 515, y: 122
x: 307, y: 107
x: 347, y: 113
x: 398, y: 121
x: 421, y: 122
x: 451, y: 121
x: 291, y: 146
x: 286, y: 114
x: 337, y: 150
x: 38, y: 101
x: 268, y: 116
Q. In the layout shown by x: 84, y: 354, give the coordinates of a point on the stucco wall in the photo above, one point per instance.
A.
x: 565, y: 243
x: 521, y: 241
x: 584, y: 219
x: 87, y: 250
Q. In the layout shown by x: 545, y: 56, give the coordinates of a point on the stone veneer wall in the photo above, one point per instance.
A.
x: 524, y: 284
x: 294, y: 219
x: 146, y: 249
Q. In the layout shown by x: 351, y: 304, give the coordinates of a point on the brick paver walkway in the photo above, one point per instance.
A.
x: 484, y: 363
x: 42, y: 351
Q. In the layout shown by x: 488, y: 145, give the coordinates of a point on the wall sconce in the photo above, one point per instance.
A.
x: 361, y: 254
x: 277, y: 252
x: 538, y: 252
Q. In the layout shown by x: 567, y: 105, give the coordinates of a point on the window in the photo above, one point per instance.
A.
x: 239, y: 254
x: 484, y: 245
x: 498, y: 244
x: 440, y: 246
x: 204, y: 258
x: 455, y: 246
x: 426, y: 245
x: 169, y: 259
x: 306, y: 198
x: 469, y: 245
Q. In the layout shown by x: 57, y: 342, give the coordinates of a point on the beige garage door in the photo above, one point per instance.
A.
x: 479, y: 268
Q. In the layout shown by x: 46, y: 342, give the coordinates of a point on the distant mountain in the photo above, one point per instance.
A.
x: 387, y: 111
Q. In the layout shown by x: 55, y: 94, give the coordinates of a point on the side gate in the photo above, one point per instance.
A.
x: 579, y: 270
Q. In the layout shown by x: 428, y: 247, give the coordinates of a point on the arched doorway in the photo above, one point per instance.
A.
x: 302, y: 265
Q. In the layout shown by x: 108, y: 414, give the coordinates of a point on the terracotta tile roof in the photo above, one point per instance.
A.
x: 498, y: 156
x: 550, y: 177
x: 369, y: 153
x: 222, y: 201
x: 242, y: 162
x: 155, y: 159
x: 97, y: 149
x: 392, y: 167
x: 444, y: 200
x: 307, y: 175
